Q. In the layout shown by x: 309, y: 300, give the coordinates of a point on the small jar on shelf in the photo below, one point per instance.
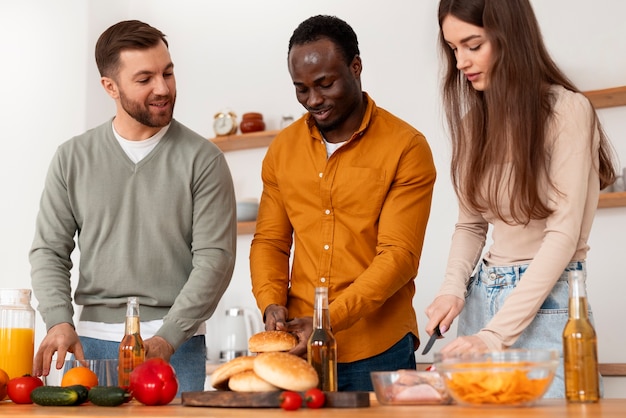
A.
x: 251, y: 122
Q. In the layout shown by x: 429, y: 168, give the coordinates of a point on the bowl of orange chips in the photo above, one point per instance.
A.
x: 515, y: 377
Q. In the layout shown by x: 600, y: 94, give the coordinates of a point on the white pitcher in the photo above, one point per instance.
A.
x: 237, y: 327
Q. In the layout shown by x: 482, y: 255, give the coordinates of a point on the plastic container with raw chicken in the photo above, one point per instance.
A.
x: 410, y: 387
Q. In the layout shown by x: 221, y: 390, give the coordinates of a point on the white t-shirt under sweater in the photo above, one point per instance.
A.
x: 136, y: 150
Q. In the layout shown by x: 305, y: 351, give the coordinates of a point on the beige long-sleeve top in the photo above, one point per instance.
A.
x: 547, y: 245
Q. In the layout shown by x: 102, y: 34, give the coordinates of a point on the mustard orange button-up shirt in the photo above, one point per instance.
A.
x: 356, y: 221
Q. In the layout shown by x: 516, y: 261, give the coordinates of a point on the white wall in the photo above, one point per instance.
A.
x: 232, y: 54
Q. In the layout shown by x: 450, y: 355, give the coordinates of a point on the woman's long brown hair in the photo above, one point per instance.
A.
x: 509, y: 119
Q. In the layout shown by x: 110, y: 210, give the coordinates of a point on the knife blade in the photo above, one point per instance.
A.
x: 432, y: 339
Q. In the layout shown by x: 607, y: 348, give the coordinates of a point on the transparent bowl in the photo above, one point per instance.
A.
x: 502, y: 378
x: 105, y: 370
x: 410, y: 387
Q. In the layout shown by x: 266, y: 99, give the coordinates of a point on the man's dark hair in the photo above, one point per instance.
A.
x: 331, y: 27
x: 128, y: 34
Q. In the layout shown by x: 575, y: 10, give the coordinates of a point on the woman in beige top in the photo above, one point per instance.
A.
x: 529, y: 160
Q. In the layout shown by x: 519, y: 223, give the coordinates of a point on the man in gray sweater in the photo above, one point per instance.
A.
x: 152, y: 206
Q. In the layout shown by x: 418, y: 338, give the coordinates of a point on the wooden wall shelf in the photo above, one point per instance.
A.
x: 612, y: 200
x: 244, y: 228
x: 244, y: 141
x: 600, y: 99
x: 612, y: 97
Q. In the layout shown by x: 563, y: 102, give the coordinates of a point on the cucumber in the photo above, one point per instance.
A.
x: 108, y: 395
x: 54, y: 396
x: 82, y: 391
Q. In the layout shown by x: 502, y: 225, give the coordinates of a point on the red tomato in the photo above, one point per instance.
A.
x: 154, y: 382
x: 19, y: 388
x: 314, y: 398
x: 290, y: 401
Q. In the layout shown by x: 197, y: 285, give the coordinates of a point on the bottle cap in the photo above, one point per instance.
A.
x: 15, y: 296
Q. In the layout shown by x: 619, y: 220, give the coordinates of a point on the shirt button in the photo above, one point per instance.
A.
x: 327, y: 211
x: 323, y: 279
x: 326, y: 246
x: 321, y: 175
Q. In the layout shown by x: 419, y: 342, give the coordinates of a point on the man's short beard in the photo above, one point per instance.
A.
x: 142, y: 114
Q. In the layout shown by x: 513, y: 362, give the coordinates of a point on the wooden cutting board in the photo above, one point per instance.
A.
x: 228, y: 399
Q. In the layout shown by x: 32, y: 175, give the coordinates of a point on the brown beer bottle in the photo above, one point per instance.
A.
x: 322, y: 345
x: 131, y: 352
x: 580, y: 352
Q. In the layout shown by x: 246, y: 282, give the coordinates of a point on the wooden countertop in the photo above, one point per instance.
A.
x: 606, y: 408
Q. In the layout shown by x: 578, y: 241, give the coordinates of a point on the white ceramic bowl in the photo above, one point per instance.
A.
x: 247, y: 210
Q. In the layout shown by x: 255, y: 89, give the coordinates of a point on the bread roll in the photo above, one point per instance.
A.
x: 248, y: 381
x: 266, y: 341
x: 221, y: 375
x: 285, y: 371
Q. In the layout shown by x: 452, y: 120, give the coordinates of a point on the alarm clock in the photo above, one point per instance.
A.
x: 225, y: 123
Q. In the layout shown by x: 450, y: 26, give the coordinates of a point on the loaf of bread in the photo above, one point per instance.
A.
x: 268, y: 341
x: 248, y: 381
x: 286, y: 371
x: 221, y: 375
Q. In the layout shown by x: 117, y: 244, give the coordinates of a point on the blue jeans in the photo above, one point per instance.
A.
x: 355, y: 376
x: 488, y: 290
x: 189, y: 361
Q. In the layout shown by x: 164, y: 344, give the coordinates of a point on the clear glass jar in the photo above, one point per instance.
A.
x: 17, y: 332
x: 285, y: 121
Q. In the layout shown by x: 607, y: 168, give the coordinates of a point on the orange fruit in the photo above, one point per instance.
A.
x: 80, y: 376
x: 4, y: 379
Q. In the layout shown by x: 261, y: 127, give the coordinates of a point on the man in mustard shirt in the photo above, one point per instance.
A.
x: 349, y: 186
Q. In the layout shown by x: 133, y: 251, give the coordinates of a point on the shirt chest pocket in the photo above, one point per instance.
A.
x: 359, y: 191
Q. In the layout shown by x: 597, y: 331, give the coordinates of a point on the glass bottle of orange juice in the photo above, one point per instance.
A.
x: 17, y: 332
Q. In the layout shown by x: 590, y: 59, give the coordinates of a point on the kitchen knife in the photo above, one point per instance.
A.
x: 431, y: 340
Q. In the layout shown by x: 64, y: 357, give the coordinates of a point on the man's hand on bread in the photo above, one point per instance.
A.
x: 275, y: 317
x: 276, y: 320
x: 302, y: 329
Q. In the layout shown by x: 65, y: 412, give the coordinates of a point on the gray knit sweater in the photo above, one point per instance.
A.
x: 163, y: 229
